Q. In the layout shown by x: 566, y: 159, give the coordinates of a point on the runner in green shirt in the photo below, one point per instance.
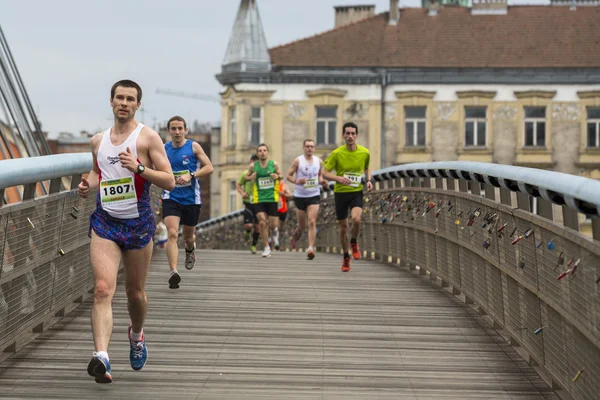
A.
x: 265, y: 175
x: 349, y: 161
x: 245, y: 189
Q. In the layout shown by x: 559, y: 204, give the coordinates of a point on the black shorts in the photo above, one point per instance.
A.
x: 249, y: 215
x: 345, y: 201
x: 268, y: 208
x: 188, y: 214
x: 302, y: 203
x: 282, y: 215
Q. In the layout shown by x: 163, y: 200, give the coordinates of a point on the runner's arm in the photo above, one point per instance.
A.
x: 207, y: 167
x: 162, y: 175
x: 292, y: 172
x: 277, y: 171
x: 250, y: 175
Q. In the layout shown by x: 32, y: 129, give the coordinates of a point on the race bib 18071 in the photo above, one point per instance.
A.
x: 266, y: 183
x: 354, y: 178
x: 310, y: 183
x: 182, y: 173
x: 117, y: 191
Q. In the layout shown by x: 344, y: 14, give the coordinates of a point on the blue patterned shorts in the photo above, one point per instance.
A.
x: 129, y: 234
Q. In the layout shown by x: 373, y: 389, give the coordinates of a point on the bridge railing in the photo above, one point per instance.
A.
x: 44, y: 252
x: 469, y: 227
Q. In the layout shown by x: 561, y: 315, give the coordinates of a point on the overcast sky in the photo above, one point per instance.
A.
x: 69, y: 52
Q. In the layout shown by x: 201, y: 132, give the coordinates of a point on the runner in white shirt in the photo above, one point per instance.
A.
x: 307, y: 193
x: 127, y: 159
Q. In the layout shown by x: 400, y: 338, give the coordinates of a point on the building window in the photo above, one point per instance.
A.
x: 475, y: 126
x: 232, y: 196
x: 232, y: 127
x: 415, y: 124
x: 256, y: 126
x: 593, y: 127
x: 535, y: 126
x: 326, y: 124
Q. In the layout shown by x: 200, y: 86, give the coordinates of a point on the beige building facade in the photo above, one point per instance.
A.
x: 545, y: 116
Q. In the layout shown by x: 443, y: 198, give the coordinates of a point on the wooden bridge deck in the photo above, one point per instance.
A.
x: 245, y: 327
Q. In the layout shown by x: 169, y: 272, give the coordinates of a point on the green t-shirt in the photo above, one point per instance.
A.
x: 248, y: 187
x: 350, y: 164
x: 266, y: 189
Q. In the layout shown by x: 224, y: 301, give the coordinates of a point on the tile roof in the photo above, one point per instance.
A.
x: 526, y: 37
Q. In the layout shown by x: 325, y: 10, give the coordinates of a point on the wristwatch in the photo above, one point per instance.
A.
x: 140, y: 169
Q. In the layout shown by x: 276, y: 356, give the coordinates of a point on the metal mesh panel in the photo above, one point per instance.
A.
x: 495, y: 304
x: 3, y: 253
x: 453, y: 264
x: 583, y: 355
x: 443, y: 258
x: 531, y: 320
x: 468, y: 265
x: 430, y: 252
x: 555, y: 346
x: 512, y: 318
x: 480, y: 268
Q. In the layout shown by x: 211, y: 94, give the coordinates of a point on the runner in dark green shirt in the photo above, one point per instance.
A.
x: 265, y: 175
x: 349, y: 162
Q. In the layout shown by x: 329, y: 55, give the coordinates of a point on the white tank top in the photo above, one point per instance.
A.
x: 310, y: 172
x: 119, y: 189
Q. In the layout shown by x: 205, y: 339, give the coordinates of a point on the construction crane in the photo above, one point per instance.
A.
x: 196, y: 96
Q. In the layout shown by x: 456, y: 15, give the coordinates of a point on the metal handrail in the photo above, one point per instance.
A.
x: 23, y: 171
x: 576, y: 192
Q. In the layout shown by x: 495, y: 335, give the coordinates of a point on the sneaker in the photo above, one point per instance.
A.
x: 267, y: 252
x: 138, y: 352
x: 253, y: 249
x: 346, y: 264
x: 174, y: 280
x: 311, y: 254
x: 99, y: 368
x: 190, y: 258
x: 277, y: 247
x: 355, y: 251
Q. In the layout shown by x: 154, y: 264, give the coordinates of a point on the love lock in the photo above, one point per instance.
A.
x: 74, y: 212
x: 487, y: 243
x: 476, y: 213
x: 469, y: 222
x: 522, y: 263
x: 560, y: 261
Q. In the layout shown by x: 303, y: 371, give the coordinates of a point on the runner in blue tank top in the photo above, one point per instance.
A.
x: 182, y: 204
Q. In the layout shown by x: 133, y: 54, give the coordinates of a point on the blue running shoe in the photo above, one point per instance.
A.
x: 138, y: 352
x: 99, y: 368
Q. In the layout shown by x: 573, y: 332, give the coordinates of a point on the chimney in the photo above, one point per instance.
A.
x: 394, y: 12
x: 489, y: 7
x: 345, y: 15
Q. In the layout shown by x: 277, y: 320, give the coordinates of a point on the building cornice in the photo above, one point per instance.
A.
x: 540, y: 94
x: 408, y: 94
x: 370, y: 76
x: 469, y: 94
x: 231, y: 92
x: 326, y: 92
x: 588, y: 94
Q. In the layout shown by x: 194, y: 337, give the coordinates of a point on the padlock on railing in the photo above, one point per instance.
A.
x: 487, y: 243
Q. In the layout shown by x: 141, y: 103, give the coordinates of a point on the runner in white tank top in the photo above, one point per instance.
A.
x: 126, y: 159
x: 307, y: 188
x: 122, y: 194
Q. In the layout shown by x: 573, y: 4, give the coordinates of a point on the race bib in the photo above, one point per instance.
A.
x: 181, y: 173
x: 310, y: 183
x: 117, y: 191
x: 266, y: 183
x: 354, y: 178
